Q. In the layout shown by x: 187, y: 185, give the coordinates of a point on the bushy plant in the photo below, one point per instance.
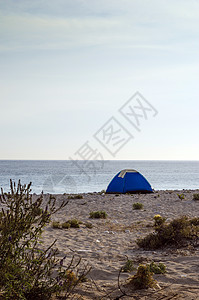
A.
x: 98, y: 215
x: 70, y: 279
x: 128, y: 266
x: 56, y: 225
x: 65, y: 225
x: 195, y: 197
x: 78, y: 196
x: 27, y: 271
x: 102, y: 192
x: 137, y: 205
x: 88, y: 225
x: 158, y: 220
x: 143, y: 279
x: 181, y: 196
x: 159, y: 268
x: 176, y: 233
x: 194, y: 221
x: 74, y: 223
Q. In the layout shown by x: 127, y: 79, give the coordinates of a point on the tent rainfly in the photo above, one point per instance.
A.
x: 129, y: 181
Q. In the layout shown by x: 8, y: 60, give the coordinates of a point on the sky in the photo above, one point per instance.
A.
x: 96, y: 79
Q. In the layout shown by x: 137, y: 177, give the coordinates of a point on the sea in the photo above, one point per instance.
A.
x: 67, y: 176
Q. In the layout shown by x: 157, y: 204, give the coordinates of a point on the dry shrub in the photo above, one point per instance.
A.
x: 143, y: 279
x: 178, y: 232
x: 26, y: 270
x: 195, y: 197
x: 98, y: 215
x: 137, y: 205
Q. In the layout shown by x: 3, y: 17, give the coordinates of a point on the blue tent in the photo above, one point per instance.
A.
x: 129, y: 181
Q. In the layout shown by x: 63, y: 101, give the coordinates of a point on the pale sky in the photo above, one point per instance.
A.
x: 67, y: 67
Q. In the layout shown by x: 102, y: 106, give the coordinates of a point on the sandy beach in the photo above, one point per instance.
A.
x: 107, y: 245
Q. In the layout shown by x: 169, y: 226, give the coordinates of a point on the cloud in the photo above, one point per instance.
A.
x: 43, y: 33
x: 20, y: 32
x: 79, y: 23
x: 71, y: 60
x: 77, y: 8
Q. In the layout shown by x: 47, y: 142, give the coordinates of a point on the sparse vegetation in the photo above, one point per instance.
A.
x: 143, y: 279
x: 56, y: 225
x: 159, y: 268
x: 181, y: 196
x: 194, y: 221
x: 88, y: 225
x: 27, y: 271
x: 195, y: 197
x: 71, y: 279
x: 178, y: 233
x: 137, y: 205
x: 128, y: 266
x: 98, y: 215
x: 102, y: 192
x: 65, y: 225
x: 78, y: 196
x: 158, y: 220
x: 74, y: 223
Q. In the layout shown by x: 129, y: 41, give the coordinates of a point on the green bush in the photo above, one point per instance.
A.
x: 74, y: 223
x: 195, y: 197
x: 88, y: 225
x: 143, y: 279
x: 194, y: 221
x: 158, y: 220
x: 177, y: 233
x: 159, y: 268
x: 75, y: 196
x: 27, y: 271
x: 128, y: 266
x: 181, y: 196
x: 102, y: 192
x: 137, y: 205
x: 98, y: 215
x: 65, y: 225
x: 56, y: 225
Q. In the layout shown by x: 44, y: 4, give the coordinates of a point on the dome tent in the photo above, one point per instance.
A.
x: 129, y: 181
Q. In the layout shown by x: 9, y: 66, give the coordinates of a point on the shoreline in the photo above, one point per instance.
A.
x: 103, y: 191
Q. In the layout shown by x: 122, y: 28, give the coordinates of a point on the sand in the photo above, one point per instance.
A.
x: 111, y: 241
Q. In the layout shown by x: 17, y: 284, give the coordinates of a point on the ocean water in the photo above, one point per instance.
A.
x: 93, y: 176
